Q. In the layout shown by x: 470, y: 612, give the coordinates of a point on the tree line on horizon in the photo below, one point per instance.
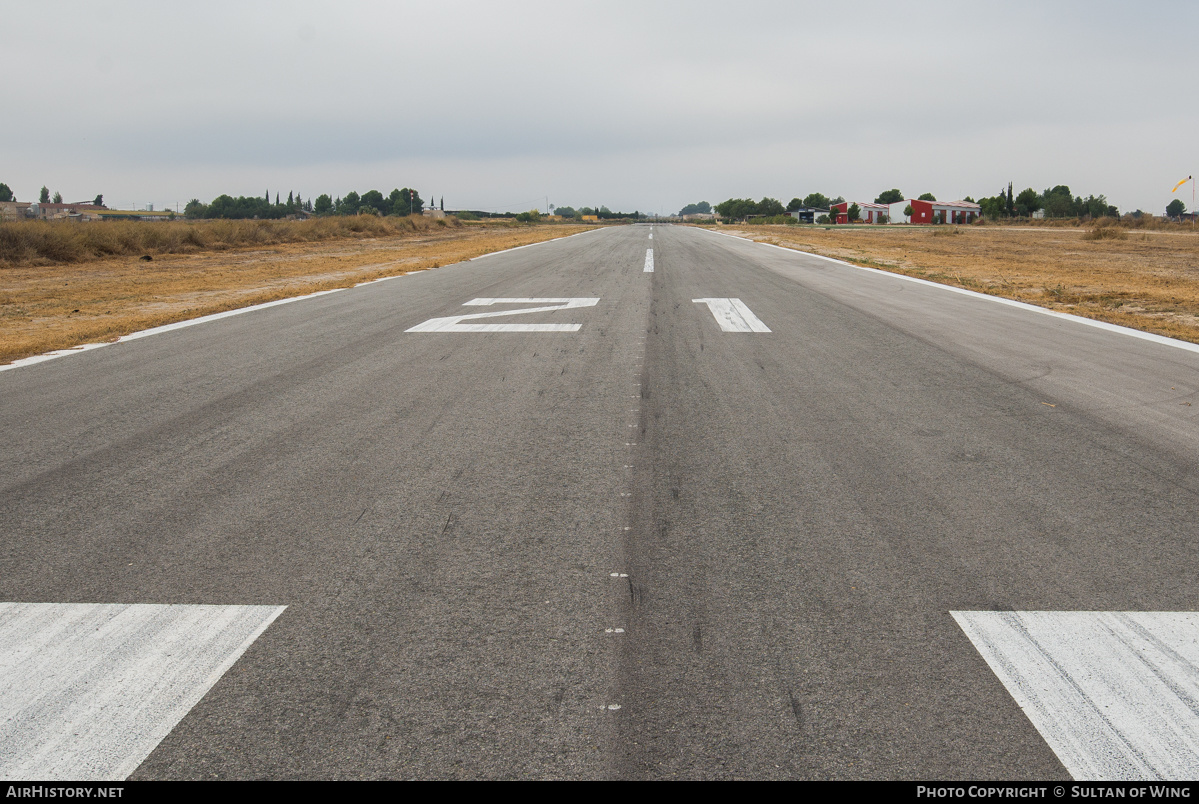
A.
x: 1057, y: 202
x: 373, y: 202
x: 44, y: 197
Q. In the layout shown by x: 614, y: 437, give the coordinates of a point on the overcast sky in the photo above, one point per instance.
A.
x: 633, y: 105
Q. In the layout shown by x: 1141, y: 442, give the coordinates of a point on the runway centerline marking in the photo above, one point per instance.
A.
x: 88, y: 690
x: 649, y: 261
x: 1114, y: 694
x: 453, y: 323
x: 733, y: 316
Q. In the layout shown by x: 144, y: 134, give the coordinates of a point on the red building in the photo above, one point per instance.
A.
x: 870, y: 213
x: 944, y: 211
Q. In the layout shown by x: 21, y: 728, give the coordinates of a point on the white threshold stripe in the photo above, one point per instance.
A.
x: 1090, y: 322
x: 204, y: 319
x: 87, y: 691
x: 649, y: 261
x: 733, y: 316
x: 1114, y: 694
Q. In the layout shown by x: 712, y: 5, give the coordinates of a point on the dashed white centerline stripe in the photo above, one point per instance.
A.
x: 649, y: 261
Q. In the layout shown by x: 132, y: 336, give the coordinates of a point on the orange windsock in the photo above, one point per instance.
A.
x: 1184, y: 181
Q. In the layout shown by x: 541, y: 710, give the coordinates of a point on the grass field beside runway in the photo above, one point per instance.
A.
x: 1148, y: 280
x: 63, y: 305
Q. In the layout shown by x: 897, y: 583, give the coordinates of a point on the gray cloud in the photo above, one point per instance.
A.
x: 623, y: 104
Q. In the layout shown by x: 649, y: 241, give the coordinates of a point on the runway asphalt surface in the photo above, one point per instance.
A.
x: 645, y: 547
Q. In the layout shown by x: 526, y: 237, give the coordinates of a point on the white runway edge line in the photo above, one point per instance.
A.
x: 733, y: 316
x: 452, y: 323
x: 649, y: 261
x: 1114, y: 694
x: 204, y: 319
x: 1090, y: 322
x: 540, y: 243
x: 87, y: 691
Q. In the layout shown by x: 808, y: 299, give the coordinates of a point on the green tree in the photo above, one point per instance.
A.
x: 737, y: 208
x: 927, y: 197
x: 695, y: 209
x: 44, y: 196
x: 323, y: 204
x: 816, y: 201
x: 410, y: 202
x: 854, y: 213
x: 195, y: 209
x: 291, y: 201
x: 1175, y: 208
x: 6, y: 192
x: 907, y: 211
x: 349, y: 205
x: 1059, y: 202
x: 794, y: 204
x: 891, y: 196
x: 98, y: 200
x: 770, y: 207
x: 1028, y: 202
x: 373, y: 200
x: 57, y: 197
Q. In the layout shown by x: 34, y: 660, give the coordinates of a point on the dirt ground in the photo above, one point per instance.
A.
x: 62, y: 306
x: 1149, y: 281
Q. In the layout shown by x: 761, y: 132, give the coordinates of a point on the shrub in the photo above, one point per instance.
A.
x: 1105, y: 233
x: 49, y: 242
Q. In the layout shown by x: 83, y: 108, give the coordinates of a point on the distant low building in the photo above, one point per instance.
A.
x: 14, y: 210
x: 591, y: 218
x: 433, y: 212
x: 807, y: 214
x: 49, y: 211
x: 870, y: 212
x: 944, y: 211
x: 134, y: 215
x: 699, y: 216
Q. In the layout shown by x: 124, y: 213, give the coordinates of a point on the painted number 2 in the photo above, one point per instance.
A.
x: 454, y: 323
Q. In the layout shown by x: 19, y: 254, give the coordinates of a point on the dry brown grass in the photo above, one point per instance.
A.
x: 1148, y: 280
x: 55, y: 242
x: 47, y: 307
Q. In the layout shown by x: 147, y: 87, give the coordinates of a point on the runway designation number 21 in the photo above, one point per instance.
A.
x: 455, y: 323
